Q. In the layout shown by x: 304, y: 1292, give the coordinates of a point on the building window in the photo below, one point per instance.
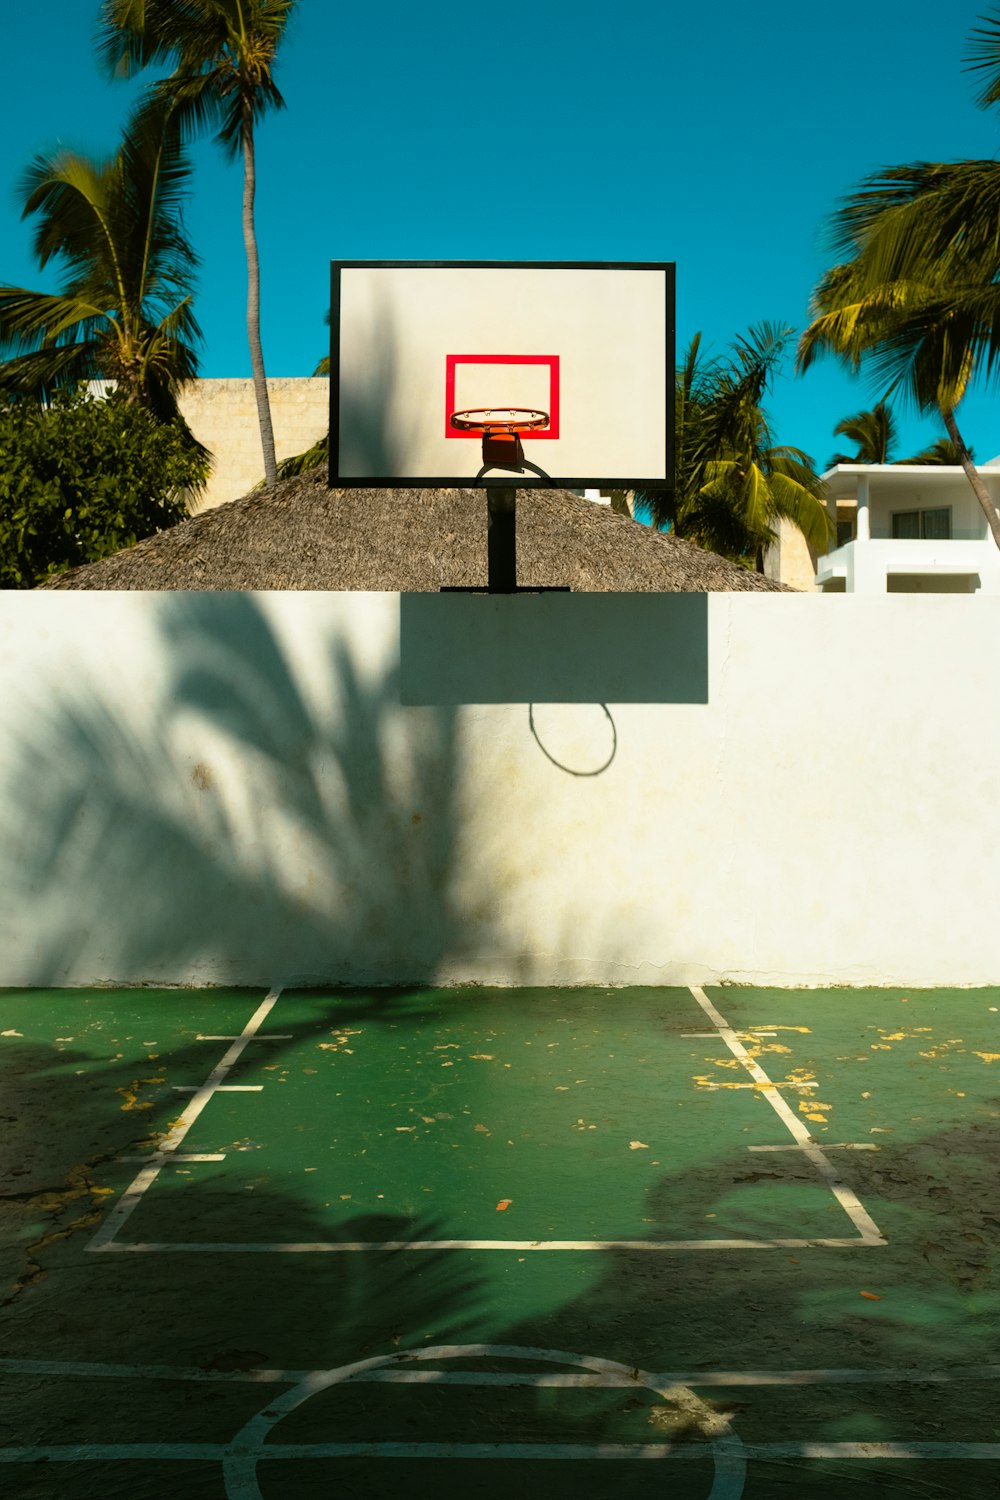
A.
x: 845, y: 533
x: 931, y: 525
x: 935, y: 525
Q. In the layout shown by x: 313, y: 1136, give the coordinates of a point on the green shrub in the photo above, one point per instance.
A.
x: 83, y: 478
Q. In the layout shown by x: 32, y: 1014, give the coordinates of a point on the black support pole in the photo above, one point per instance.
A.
x: 501, y: 546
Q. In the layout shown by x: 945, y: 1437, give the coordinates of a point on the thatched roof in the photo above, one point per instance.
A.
x: 303, y: 535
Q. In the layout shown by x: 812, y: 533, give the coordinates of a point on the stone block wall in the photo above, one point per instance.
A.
x: 789, y: 559
x: 222, y: 414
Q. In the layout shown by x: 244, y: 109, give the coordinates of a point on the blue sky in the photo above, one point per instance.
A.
x: 717, y: 136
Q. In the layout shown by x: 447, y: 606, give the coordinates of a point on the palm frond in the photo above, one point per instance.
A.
x: 872, y: 431
x: 941, y: 453
x: 734, y: 482
x: 70, y: 197
x: 28, y: 319
x: 124, y: 306
x: 983, y: 58
x: 221, y: 53
x: 40, y: 373
x: 800, y: 504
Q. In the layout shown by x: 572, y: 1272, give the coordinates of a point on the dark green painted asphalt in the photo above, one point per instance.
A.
x: 594, y: 1115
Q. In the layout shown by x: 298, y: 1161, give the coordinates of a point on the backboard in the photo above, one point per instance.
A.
x: 591, y: 345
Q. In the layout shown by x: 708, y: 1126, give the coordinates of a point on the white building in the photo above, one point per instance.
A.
x: 909, y: 529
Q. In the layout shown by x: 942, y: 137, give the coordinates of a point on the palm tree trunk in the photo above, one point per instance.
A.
x: 253, y: 306
x: 979, y: 489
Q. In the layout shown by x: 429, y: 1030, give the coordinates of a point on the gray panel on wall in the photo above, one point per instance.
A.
x: 553, y: 648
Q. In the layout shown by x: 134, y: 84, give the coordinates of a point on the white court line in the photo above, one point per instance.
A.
x: 532, y: 1452
x: 905, y: 1375
x: 177, y: 1156
x: 802, y: 1088
x: 104, y: 1239
x: 272, y: 1036
x: 680, y: 1377
x: 827, y: 1146
x: 845, y: 1196
x: 924, y: 1451
x: 76, y: 1453
x: 186, y: 1452
x: 334, y: 1247
x: 709, y: 1036
x: 224, y: 1088
x: 94, y: 1371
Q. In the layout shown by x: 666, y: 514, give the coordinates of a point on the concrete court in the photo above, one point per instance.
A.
x: 710, y: 1243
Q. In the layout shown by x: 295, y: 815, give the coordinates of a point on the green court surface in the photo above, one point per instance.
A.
x: 613, y: 1242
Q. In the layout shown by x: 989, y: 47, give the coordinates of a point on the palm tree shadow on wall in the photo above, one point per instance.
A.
x: 374, y: 429
x: 244, y: 828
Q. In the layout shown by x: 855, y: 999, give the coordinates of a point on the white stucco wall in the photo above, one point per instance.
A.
x: 202, y: 788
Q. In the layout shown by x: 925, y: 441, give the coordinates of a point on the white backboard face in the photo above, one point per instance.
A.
x: 591, y: 345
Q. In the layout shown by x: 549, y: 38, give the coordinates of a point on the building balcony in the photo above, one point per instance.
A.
x: 958, y: 565
x: 909, y: 529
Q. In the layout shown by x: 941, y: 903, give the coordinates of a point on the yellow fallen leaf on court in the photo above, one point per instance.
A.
x: 989, y: 1056
x: 637, y: 1146
x: 504, y: 1204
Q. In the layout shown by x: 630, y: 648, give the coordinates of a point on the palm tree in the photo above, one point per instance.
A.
x: 915, y: 298
x: 916, y: 294
x: 123, y: 311
x: 734, y: 482
x: 691, y: 391
x: 222, y: 53
x: 941, y: 452
x: 874, y: 433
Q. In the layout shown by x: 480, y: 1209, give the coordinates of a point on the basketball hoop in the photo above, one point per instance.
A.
x: 499, y: 419
x: 500, y: 427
